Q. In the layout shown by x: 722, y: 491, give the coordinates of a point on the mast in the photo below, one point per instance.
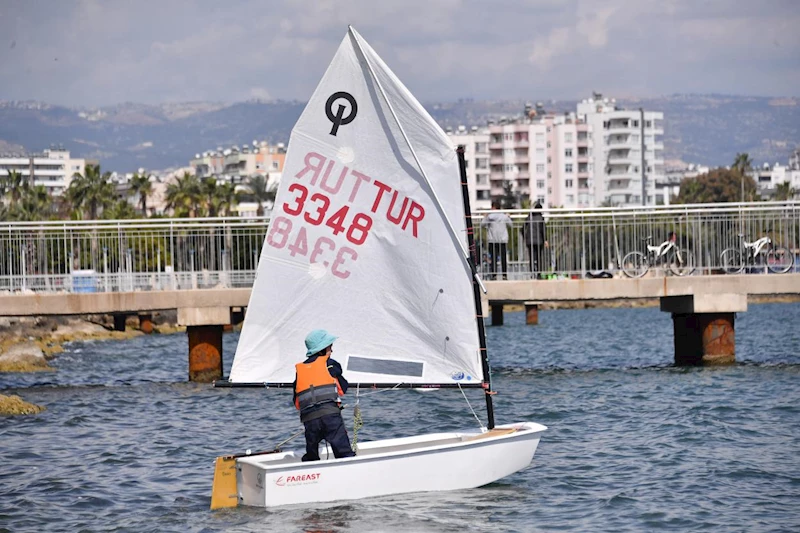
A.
x: 487, y: 378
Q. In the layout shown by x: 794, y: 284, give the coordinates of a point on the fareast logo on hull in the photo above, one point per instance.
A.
x: 300, y: 479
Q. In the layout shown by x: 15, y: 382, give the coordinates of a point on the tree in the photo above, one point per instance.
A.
x: 784, y: 191
x: 184, y: 196
x: 34, y: 204
x: 13, y: 185
x: 510, y: 198
x: 91, y: 189
x: 718, y: 185
x: 256, y: 191
x: 225, y: 198
x: 119, y: 210
x: 218, y: 197
x: 141, y: 186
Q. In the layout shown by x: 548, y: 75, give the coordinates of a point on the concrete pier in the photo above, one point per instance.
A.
x: 532, y: 313
x: 146, y: 323
x: 703, y: 327
x: 119, y: 321
x: 497, y: 314
x: 205, y: 353
x: 204, y: 326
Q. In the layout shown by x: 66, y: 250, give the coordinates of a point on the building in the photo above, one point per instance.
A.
x: 236, y: 164
x: 628, y: 151
x: 768, y: 178
x: 535, y: 156
x: 476, y: 157
x: 53, y: 168
x: 569, y: 162
x: 668, y: 186
x: 518, y: 158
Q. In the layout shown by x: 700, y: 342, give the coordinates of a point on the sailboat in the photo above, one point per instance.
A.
x: 371, y: 239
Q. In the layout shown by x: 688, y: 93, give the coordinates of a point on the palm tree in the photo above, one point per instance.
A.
x: 256, y: 191
x: 184, y: 196
x: 34, y: 204
x: 742, y: 164
x: 209, y: 188
x: 119, y: 210
x: 140, y: 185
x: 225, y: 198
x: 14, y: 185
x: 93, y: 189
x: 784, y: 191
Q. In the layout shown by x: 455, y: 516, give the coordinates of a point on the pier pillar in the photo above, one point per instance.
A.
x: 119, y: 322
x: 703, y: 327
x: 205, y: 353
x: 532, y: 313
x: 146, y: 323
x: 204, y: 327
x: 497, y: 314
x: 704, y: 338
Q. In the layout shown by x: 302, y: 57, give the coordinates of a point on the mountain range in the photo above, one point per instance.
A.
x: 703, y: 129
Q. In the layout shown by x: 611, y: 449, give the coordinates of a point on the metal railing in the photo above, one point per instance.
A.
x: 162, y: 254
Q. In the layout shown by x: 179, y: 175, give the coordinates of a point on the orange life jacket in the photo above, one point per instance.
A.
x: 315, y: 385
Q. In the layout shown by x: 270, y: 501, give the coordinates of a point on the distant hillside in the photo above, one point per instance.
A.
x: 707, y: 129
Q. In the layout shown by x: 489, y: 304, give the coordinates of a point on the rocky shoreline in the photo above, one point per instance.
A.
x: 27, y: 344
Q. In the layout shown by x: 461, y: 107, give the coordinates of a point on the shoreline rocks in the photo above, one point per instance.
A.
x: 28, y: 343
x: 14, y: 405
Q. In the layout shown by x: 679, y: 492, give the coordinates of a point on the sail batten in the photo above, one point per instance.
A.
x: 367, y: 239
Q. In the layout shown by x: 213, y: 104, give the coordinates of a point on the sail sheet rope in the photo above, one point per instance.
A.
x: 358, y: 420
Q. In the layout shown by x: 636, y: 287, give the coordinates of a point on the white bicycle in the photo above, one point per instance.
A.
x: 777, y: 259
x: 680, y: 262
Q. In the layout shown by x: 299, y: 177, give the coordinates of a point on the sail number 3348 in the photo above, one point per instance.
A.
x: 314, y: 210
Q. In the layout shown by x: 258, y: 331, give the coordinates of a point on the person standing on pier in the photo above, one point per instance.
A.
x: 534, y: 235
x: 498, y: 225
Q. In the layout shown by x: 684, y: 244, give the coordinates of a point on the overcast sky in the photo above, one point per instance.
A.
x: 100, y: 52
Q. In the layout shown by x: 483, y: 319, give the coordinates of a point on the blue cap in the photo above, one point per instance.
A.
x: 318, y: 340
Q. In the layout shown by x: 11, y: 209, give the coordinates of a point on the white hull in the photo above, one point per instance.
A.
x: 435, y: 462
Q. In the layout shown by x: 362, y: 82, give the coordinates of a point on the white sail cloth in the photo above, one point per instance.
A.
x: 359, y: 243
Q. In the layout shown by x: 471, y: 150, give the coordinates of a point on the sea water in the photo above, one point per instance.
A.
x: 634, y: 443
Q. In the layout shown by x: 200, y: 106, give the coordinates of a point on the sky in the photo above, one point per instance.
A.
x: 94, y: 53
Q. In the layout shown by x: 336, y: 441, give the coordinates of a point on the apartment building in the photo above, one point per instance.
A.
x: 628, y: 151
x: 236, y: 163
x: 570, y: 165
x: 52, y: 168
x: 476, y: 157
x: 518, y: 158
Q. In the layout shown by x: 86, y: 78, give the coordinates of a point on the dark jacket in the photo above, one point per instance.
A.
x: 534, y: 230
x: 327, y: 408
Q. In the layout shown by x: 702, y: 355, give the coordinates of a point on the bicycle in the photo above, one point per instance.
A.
x: 777, y: 259
x: 680, y: 262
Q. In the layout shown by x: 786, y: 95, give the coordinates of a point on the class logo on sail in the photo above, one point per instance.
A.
x: 339, y: 118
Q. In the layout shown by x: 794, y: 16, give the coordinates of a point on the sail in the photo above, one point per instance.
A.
x: 367, y: 240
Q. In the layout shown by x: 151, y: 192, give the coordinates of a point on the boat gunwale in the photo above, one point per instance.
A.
x: 520, y: 434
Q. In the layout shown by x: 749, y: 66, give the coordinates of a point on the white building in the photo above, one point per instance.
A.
x: 52, y: 168
x: 768, y: 177
x: 628, y: 148
x: 669, y: 185
x: 570, y: 164
x: 476, y: 157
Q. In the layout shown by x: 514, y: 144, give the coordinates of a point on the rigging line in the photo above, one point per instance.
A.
x: 480, y: 424
x: 453, y: 234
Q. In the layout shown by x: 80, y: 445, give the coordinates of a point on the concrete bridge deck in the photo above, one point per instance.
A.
x: 35, y: 304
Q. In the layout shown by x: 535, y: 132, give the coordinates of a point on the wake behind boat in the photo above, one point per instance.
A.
x: 371, y: 238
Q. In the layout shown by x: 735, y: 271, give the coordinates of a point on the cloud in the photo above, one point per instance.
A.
x: 93, y: 52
